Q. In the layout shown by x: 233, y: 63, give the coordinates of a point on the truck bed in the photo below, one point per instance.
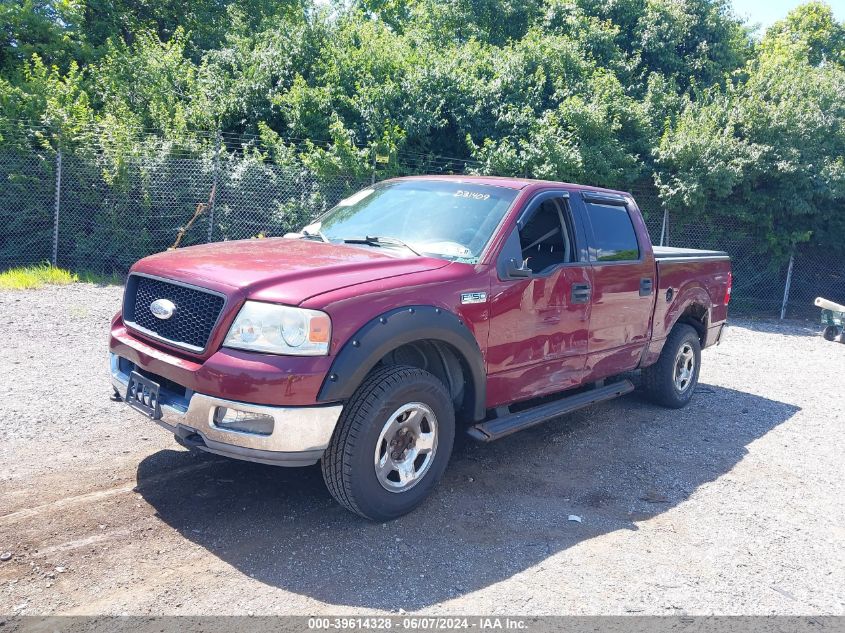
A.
x: 684, y: 274
x: 663, y: 253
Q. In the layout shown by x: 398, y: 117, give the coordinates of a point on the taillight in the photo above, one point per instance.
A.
x: 728, y: 289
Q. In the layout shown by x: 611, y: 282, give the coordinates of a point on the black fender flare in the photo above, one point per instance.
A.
x: 393, y: 329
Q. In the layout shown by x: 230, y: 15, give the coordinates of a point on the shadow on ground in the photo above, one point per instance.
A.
x: 501, y: 508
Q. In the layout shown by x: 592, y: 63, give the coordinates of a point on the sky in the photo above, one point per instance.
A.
x: 765, y: 12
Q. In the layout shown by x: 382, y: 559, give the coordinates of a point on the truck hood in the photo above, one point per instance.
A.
x: 281, y: 270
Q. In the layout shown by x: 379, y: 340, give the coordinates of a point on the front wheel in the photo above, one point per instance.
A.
x: 391, y: 444
x: 672, y: 379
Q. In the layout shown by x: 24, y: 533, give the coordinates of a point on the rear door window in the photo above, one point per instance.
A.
x: 614, y: 238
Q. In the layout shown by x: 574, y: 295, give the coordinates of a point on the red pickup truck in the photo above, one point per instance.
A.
x: 414, y: 309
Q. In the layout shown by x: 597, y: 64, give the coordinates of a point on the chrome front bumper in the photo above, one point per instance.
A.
x: 299, y: 435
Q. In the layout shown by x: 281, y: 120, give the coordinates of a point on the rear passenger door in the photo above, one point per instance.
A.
x: 623, y: 275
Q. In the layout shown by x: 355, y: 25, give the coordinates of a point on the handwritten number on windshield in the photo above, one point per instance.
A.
x: 473, y: 195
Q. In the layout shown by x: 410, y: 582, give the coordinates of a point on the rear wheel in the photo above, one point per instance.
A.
x: 672, y: 379
x: 830, y: 333
x: 391, y: 444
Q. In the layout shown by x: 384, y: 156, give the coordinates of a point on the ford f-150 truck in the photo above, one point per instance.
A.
x: 413, y: 310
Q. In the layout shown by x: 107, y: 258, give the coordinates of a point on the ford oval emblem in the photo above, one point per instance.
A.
x: 162, y: 308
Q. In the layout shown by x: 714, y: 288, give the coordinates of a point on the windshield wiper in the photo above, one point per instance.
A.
x: 380, y: 240
x: 311, y: 236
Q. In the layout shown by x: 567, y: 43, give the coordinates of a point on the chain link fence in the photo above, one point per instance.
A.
x: 759, y: 281
x: 763, y: 285
x: 95, y: 207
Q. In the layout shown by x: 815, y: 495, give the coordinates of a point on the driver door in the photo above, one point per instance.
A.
x: 539, y: 325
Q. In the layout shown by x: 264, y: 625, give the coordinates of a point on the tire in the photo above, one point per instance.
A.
x: 398, y: 406
x: 659, y: 380
x: 830, y: 333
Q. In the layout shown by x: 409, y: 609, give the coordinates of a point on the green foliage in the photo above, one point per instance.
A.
x: 46, y: 28
x: 695, y: 42
x: 609, y: 92
x: 581, y: 140
x: 494, y: 21
x: 811, y: 31
x: 152, y: 84
x: 769, y: 151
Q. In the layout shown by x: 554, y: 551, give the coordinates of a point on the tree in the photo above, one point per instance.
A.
x: 767, y: 151
x: 608, y: 92
x: 811, y: 29
x: 692, y: 42
x: 46, y: 28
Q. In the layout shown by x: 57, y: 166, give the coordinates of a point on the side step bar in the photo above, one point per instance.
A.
x: 498, y: 428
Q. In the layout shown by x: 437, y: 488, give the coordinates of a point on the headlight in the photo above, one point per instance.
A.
x: 267, y: 327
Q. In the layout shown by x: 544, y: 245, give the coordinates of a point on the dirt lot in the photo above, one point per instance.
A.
x: 733, y: 505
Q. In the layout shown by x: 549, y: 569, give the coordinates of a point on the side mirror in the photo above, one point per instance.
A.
x: 517, y: 271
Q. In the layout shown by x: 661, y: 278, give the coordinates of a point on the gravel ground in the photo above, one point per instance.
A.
x: 733, y: 505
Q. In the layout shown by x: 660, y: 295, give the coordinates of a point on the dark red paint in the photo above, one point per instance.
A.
x: 534, y: 339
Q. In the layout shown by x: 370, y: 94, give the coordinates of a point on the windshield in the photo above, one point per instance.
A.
x: 447, y: 219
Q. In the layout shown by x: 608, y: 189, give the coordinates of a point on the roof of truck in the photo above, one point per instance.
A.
x: 509, y: 182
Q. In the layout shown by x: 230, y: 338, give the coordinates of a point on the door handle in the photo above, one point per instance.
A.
x: 646, y: 286
x: 580, y: 293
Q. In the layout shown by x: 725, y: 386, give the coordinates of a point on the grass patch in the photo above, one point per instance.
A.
x: 101, y: 279
x: 27, y: 277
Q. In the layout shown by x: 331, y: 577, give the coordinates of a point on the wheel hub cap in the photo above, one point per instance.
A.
x: 406, y: 447
x: 684, y: 367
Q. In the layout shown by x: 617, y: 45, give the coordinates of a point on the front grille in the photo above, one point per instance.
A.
x: 193, y: 319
